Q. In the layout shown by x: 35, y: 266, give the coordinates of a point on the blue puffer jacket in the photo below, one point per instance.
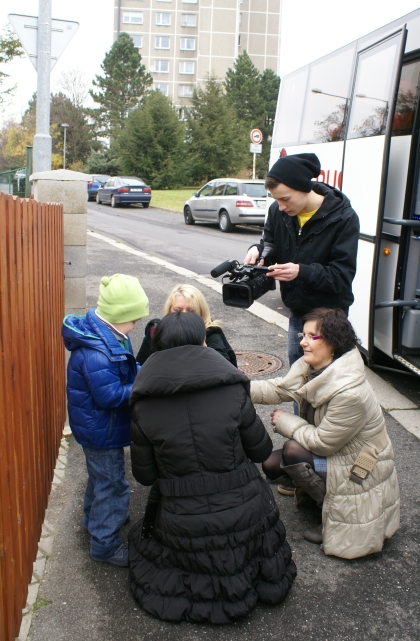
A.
x: 100, y: 375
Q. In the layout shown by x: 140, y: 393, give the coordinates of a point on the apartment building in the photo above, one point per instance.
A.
x: 181, y: 41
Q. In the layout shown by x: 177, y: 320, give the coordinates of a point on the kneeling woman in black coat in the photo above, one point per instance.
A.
x: 211, y: 544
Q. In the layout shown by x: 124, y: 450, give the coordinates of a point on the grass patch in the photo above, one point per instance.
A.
x: 40, y: 603
x: 172, y: 198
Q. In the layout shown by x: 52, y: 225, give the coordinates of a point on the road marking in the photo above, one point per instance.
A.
x: 402, y: 408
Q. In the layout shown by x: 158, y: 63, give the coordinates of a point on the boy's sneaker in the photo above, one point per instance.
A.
x: 120, y: 557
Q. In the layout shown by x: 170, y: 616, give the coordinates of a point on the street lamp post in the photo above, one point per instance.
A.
x: 65, y: 125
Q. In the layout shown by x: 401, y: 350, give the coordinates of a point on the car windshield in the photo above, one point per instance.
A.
x: 100, y: 178
x: 132, y: 181
x: 255, y: 190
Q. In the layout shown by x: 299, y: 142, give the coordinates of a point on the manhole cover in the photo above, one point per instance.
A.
x: 257, y: 363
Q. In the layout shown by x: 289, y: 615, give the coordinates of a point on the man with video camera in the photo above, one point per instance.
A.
x: 315, y: 232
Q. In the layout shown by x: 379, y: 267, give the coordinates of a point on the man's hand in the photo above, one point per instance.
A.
x: 287, y: 271
x: 252, y: 256
x: 275, y: 416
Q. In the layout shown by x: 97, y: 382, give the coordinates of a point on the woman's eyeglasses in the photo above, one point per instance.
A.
x: 309, y: 337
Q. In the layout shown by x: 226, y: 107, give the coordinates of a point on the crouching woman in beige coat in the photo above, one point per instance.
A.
x: 340, y: 452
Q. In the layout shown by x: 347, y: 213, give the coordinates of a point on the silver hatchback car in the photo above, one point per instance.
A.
x: 229, y: 202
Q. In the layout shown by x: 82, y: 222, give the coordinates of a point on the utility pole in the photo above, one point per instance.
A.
x: 42, y: 139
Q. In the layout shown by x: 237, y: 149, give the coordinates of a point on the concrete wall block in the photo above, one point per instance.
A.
x: 72, y: 195
x: 75, y: 226
x: 76, y: 254
x: 75, y: 293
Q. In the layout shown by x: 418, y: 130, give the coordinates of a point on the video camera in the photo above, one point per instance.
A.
x: 246, y: 282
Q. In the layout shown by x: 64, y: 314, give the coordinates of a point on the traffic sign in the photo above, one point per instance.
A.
x: 255, y: 149
x: 256, y: 136
x: 26, y: 28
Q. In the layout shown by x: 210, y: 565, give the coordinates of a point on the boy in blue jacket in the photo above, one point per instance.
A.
x: 100, y: 375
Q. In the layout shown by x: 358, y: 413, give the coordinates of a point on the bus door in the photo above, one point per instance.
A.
x: 365, y: 167
x: 397, y: 316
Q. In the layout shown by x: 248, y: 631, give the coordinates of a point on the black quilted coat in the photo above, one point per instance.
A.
x: 217, y: 545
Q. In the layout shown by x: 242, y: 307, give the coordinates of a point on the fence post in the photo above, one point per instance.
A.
x: 70, y: 189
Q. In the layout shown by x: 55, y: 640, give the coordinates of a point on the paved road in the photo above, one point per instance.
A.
x: 370, y: 599
x: 200, y: 248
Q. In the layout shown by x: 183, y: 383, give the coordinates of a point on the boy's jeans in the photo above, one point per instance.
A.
x: 293, y: 345
x: 107, y: 500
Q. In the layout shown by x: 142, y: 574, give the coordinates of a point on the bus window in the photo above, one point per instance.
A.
x: 408, y: 94
x: 328, y: 96
x: 373, y: 90
x: 289, y: 113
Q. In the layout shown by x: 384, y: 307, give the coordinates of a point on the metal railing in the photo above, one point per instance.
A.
x: 32, y: 388
x: 13, y: 181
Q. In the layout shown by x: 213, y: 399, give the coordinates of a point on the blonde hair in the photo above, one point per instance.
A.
x: 196, y: 300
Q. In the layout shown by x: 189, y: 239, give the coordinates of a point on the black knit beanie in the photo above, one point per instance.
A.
x: 296, y: 171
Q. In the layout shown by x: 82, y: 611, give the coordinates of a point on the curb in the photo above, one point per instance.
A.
x: 45, y: 547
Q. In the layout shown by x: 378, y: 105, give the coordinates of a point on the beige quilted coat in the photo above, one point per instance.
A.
x: 356, y: 518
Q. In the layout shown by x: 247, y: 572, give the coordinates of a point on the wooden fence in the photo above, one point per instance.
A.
x: 32, y: 388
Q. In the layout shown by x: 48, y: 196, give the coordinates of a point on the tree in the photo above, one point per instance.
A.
x: 104, y: 161
x: 9, y: 48
x: 152, y: 143
x: 215, y: 138
x: 270, y: 85
x: 121, y: 88
x: 243, y: 90
x: 253, y: 96
x: 79, y: 133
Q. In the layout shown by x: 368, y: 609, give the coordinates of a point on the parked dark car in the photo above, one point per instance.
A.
x: 97, y: 181
x: 124, y: 190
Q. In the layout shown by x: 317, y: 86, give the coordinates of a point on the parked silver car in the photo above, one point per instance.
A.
x: 228, y: 201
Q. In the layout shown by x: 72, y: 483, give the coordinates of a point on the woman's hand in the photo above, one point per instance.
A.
x: 275, y: 416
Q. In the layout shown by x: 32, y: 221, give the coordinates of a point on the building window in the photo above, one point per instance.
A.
x: 187, y: 44
x: 137, y: 41
x: 185, y: 91
x: 162, y: 42
x: 162, y: 88
x: 164, y: 0
x: 163, y: 19
x: 186, y: 67
x: 133, y: 17
x: 239, y: 40
x: 240, y: 19
x: 189, y: 1
x: 161, y: 66
x: 188, y: 20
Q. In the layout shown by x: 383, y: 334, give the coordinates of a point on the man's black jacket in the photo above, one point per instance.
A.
x: 326, y: 251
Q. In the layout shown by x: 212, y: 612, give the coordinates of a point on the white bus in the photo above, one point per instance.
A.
x: 358, y: 110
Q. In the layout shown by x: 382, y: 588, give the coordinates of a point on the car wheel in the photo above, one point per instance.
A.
x: 113, y: 202
x: 188, y: 217
x: 224, y: 222
x: 98, y: 200
x: 145, y: 205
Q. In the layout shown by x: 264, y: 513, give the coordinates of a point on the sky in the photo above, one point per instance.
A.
x: 309, y: 30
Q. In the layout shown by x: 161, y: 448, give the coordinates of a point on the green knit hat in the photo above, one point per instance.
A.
x: 121, y: 299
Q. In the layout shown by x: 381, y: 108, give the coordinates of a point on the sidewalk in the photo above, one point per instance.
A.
x: 371, y: 598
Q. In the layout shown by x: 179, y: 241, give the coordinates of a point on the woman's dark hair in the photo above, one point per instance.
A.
x: 335, y: 327
x: 177, y: 329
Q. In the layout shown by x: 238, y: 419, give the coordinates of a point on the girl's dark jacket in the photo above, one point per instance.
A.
x: 215, y: 339
x: 218, y: 545
x: 326, y: 251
